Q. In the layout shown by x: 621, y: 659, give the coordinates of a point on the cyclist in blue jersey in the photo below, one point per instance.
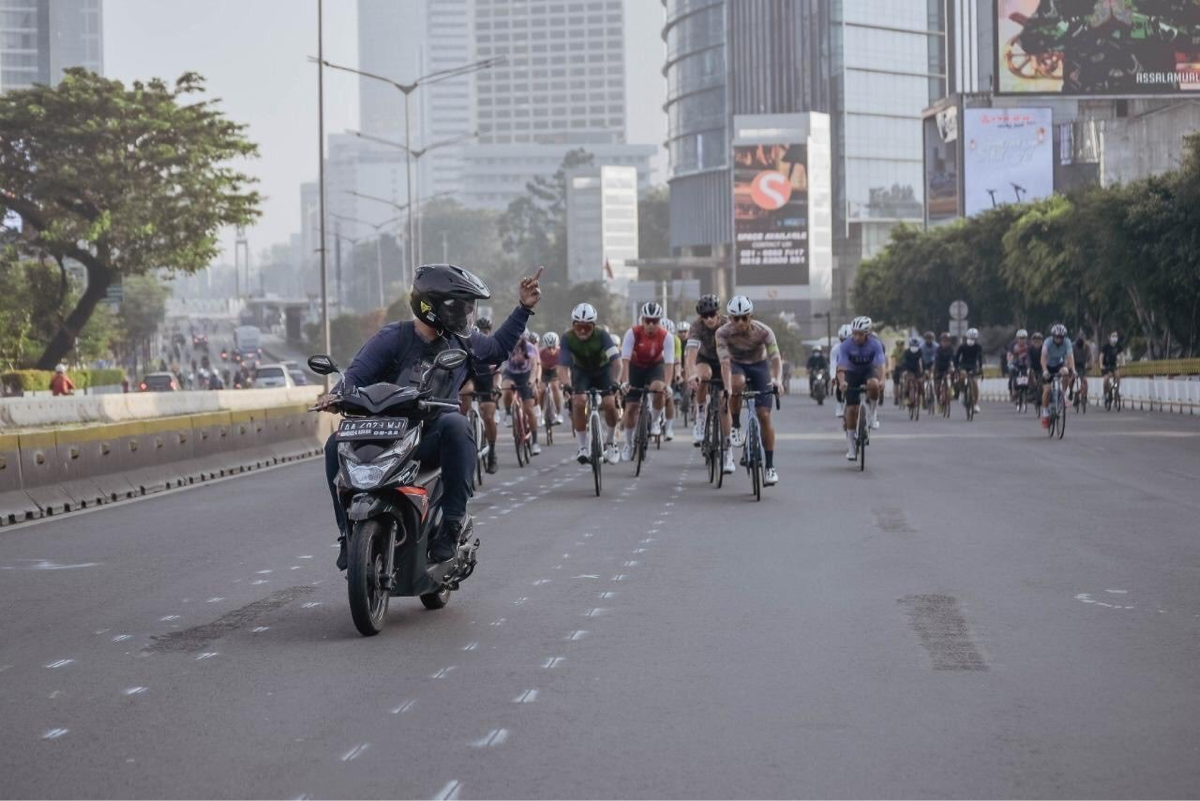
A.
x: 1058, y: 358
x: 929, y: 349
x: 861, y: 361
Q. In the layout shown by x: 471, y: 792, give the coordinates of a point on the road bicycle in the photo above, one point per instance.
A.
x: 943, y: 395
x: 912, y: 396
x: 1021, y: 393
x: 1112, y: 395
x: 641, y: 431
x: 713, y: 446
x: 475, y: 421
x: 1081, y: 395
x: 753, y: 456
x: 969, y: 392
x: 1057, y: 409
x: 927, y: 394
x: 522, y: 438
x: 548, y: 413
x: 592, y: 411
x: 862, y: 429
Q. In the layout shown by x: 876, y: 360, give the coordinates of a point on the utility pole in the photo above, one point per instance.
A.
x: 321, y: 177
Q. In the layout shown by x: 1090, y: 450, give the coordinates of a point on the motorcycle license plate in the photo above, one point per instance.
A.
x: 372, y: 428
x: 1023, y: 381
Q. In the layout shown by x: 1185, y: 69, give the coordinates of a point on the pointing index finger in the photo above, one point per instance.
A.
x: 537, y: 276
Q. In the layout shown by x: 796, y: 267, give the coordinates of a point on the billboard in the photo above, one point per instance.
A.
x: 941, y: 166
x: 770, y: 213
x: 1008, y: 157
x: 1097, y: 47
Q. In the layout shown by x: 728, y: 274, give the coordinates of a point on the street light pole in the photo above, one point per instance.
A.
x: 321, y: 177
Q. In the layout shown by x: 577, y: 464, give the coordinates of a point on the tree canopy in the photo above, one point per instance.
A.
x: 122, y: 180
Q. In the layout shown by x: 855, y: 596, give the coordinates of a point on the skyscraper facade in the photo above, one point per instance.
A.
x: 41, y: 38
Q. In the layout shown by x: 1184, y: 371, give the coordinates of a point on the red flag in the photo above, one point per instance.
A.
x: 608, y: 269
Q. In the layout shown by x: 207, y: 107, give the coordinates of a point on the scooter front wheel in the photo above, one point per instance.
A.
x: 364, y: 576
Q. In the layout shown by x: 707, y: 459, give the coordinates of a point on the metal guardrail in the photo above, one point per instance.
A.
x: 1157, y: 394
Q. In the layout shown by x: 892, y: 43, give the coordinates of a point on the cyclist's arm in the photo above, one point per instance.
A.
x: 669, y: 359
x: 626, y: 355
x: 777, y: 368
x: 689, y: 359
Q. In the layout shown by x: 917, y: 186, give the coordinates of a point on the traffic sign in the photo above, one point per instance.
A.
x: 958, y: 310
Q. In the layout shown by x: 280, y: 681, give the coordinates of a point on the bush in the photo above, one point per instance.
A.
x: 39, y: 380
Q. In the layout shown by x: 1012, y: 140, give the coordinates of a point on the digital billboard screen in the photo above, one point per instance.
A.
x: 1008, y: 157
x: 1097, y: 47
x: 941, y: 166
x: 770, y: 213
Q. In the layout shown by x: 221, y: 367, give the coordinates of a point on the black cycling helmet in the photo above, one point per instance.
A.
x: 444, y: 296
x: 708, y: 304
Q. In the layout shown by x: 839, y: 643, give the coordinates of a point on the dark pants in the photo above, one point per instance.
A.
x: 446, y: 441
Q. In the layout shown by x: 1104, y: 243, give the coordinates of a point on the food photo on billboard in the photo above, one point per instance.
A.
x: 1097, y: 47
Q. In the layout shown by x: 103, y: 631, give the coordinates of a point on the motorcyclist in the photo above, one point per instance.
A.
x: 816, y: 362
x: 443, y: 300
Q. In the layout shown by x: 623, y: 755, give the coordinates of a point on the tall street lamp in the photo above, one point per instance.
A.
x: 321, y: 180
x: 416, y: 154
x: 378, y: 245
x: 398, y: 207
x: 407, y: 89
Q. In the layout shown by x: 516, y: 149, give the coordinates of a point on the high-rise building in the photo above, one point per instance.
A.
x: 405, y: 40
x: 602, y: 223
x: 41, y: 38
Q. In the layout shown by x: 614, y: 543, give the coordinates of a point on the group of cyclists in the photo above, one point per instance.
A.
x: 547, y: 378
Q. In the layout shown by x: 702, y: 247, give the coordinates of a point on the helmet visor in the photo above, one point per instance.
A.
x: 457, y: 316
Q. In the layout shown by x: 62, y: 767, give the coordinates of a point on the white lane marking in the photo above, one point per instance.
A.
x: 558, y: 567
x: 607, y: 595
x: 632, y: 563
x: 122, y: 637
x: 595, y: 611
x: 668, y: 503
x: 620, y: 577
x: 259, y: 629
x: 520, y: 601
x: 540, y: 582
x: 294, y: 567
x: 1118, y: 592
x: 105, y: 631
x: 355, y: 752
x: 443, y: 673
x: 471, y: 646
x: 449, y: 792
x: 134, y: 690
x: 527, y: 697
x: 168, y: 618
x: 499, y: 622
x: 587, y: 535
x: 54, y: 734
x: 206, y: 655
x: 588, y: 576
x: 553, y: 662
x: 639, y: 550
x: 305, y: 556
x: 214, y: 600
x: 263, y: 572
x: 256, y: 582
x: 492, y: 739
x: 1085, y: 597
x: 46, y: 564
x: 60, y: 663
x: 647, y: 541
x: 311, y: 605
x: 576, y: 635
x: 407, y: 705
x: 652, y: 531
x: 57, y: 693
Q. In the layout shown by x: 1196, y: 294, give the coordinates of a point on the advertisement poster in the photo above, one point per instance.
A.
x: 941, y: 166
x: 1008, y: 157
x: 770, y: 213
x: 1097, y: 47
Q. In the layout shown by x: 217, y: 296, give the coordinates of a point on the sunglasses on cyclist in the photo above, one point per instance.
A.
x: 650, y: 320
x: 708, y: 315
x: 739, y: 318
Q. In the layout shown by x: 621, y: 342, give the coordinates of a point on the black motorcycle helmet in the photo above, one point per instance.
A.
x: 444, y: 295
x: 708, y: 304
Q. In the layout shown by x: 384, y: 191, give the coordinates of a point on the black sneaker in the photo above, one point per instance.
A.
x: 490, y: 466
x: 445, y: 544
x: 342, y: 561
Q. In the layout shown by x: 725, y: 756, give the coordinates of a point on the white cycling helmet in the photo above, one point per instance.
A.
x: 1059, y: 330
x: 914, y: 342
x: 739, y: 304
x: 844, y: 332
x: 683, y: 327
x: 652, y: 311
x: 862, y: 323
x: 973, y: 333
x: 1022, y: 334
x: 669, y: 325
x: 550, y: 340
x: 818, y: 349
x: 584, y: 313
x: 532, y: 337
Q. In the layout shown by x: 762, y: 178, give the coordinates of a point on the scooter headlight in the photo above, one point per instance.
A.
x: 368, y: 476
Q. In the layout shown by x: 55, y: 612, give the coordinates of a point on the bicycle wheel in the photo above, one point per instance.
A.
x: 1117, y: 402
x: 862, y: 440
x: 1062, y: 423
x: 754, y: 458
x: 722, y: 449
x: 548, y: 419
x: 641, y: 437
x: 519, y: 437
x: 597, y: 454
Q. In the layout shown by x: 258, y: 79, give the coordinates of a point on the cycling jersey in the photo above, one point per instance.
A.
x: 678, y: 349
x: 521, y: 360
x: 913, y: 362
x: 1108, y: 356
x: 705, y: 338
x: 943, y: 359
x: 969, y: 357
x: 834, y: 352
x: 645, y: 349
x: 928, y: 353
x: 1083, y: 356
x: 755, y: 344
x: 1018, y: 353
x: 549, y: 358
x: 1035, y: 359
x: 589, y: 354
x: 861, y: 359
x: 1054, y: 354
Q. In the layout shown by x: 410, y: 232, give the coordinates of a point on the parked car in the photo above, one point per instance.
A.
x: 272, y: 375
x: 298, y: 378
x: 158, y: 382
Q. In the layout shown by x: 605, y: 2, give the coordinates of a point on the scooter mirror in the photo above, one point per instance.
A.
x: 450, y: 359
x: 322, y: 365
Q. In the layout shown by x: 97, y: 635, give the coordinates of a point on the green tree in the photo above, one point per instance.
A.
x: 533, y: 229
x: 143, y: 308
x: 121, y: 179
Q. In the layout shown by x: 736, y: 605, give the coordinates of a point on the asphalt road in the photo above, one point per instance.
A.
x: 982, y: 613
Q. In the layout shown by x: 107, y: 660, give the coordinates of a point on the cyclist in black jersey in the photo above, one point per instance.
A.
x: 912, y: 367
x: 968, y: 362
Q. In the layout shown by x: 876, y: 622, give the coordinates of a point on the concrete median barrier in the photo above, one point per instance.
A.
x: 210, y: 441
x: 42, y: 473
x: 15, y: 505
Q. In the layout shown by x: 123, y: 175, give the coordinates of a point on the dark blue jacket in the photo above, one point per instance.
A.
x: 398, y: 354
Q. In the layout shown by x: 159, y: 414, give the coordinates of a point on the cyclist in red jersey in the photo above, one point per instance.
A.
x: 645, y: 352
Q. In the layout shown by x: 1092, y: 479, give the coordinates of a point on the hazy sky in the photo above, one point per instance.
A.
x: 253, y: 53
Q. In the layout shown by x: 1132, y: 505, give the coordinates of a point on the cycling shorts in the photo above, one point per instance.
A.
x: 641, y: 378
x: 855, y: 382
x: 584, y: 380
x: 713, y: 364
x: 484, y: 384
x: 1108, y: 370
x: 549, y: 375
x: 758, y: 378
x: 521, y: 384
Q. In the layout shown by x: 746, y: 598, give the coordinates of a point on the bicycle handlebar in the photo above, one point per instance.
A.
x: 747, y: 393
